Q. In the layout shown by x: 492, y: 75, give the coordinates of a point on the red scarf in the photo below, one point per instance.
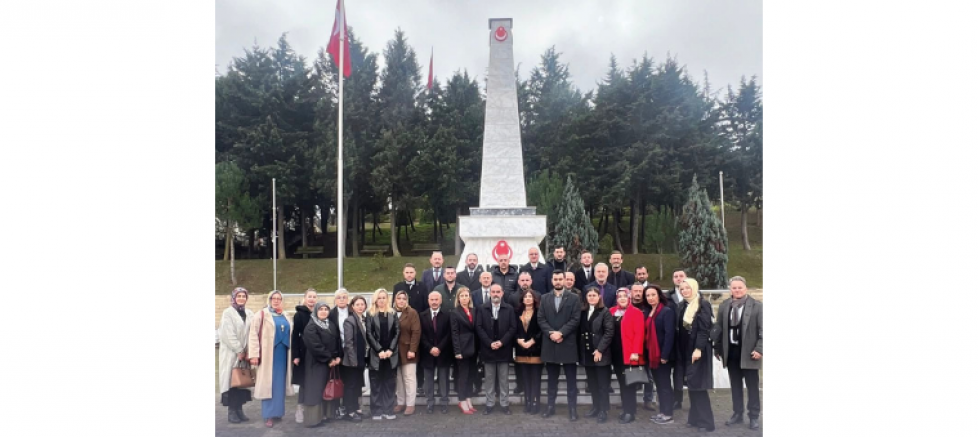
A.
x: 651, y: 340
x: 467, y: 313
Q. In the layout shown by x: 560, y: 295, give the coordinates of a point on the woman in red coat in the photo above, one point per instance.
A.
x: 626, y: 348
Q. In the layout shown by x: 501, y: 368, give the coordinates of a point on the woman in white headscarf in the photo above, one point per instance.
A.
x: 696, y: 321
x: 233, y: 336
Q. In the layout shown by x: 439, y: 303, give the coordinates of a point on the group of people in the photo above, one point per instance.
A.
x: 472, y: 324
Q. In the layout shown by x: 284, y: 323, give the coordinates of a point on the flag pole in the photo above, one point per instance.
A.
x: 274, y: 240
x: 340, y: 224
x: 723, y: 217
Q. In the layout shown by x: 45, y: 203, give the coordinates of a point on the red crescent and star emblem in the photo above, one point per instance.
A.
x: 501, y: 34
x: 502, y: 247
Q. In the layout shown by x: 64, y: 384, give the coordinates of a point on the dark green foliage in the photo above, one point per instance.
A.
x: 573, y: 229
x: 702, y: 241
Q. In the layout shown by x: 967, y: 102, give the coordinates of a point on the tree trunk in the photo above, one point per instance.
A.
x: 660, y: 261
x: 234, y: 280
x: 227, y: 242
x: 281, y: 233
x: 617, y: 215
x: 251, y: 243
x: 434, y: 229
x: 743, y: 225
x: 305, y: 241
x: 641, y: 232
x: 758, y: 221
x: 635, y: 226
x: 606, y: 222
x: 410, y: 221
x: 396, y: 234
x: 363, y: 226
x: 458, y: 239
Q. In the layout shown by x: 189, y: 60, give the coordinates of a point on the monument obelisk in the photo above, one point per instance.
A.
x: 502, y: 224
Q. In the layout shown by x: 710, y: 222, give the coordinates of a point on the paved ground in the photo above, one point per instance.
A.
x: 456, y: 423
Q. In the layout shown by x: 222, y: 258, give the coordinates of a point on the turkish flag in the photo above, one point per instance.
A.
x: 431, y: 66
x: 339, y: 25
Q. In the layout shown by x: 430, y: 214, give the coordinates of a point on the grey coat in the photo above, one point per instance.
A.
x: 566, y: 321
x: 751, y: 333
x: 350, y: 328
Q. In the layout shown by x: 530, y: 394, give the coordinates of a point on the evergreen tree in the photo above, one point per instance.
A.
x: 234, y: 204
x: 545, y: 191
x: 574, y: 229
x: 742, y: 127
x: 702, y: 240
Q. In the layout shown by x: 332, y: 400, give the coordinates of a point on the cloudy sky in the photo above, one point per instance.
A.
x: 721, y: 37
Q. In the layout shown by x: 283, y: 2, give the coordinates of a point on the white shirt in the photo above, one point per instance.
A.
x: 590, y: 312
x: 436, y: 273
x: 495, y: 312
x: 434, y: 313
x: 341, y: 315
x: 587, y: 273
x: 409, y: 284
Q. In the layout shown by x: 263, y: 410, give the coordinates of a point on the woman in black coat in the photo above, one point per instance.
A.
x: 383, y: 330
x: 323, y: 352
x: 596, y: 331
x: 696, y: 320
x: 303, y: 314
x: 528, y: 337
x: 354, y: 358
x: 464, y: 318
x: 660, y: 350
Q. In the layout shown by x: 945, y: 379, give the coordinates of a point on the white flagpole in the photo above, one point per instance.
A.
x: 723, y: 217
x: 274, y: 240
x: 340, y: 224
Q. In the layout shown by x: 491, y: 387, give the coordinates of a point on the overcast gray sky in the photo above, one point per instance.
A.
x: 722, y: 37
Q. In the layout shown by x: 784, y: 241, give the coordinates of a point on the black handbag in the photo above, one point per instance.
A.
x: 635, y: 375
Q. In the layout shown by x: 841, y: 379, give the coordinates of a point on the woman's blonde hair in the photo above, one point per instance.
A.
x: 373, y: 310
x: 458, y: 303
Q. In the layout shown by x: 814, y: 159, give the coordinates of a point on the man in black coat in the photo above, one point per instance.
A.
x: 679, y: 366
x: 584, y: 275
x: 418, y: 300
x: 559, y: 315
x: 539, y: 271
x: 558, y: 262
x: 619, y: 276
x: 436, y: 274
x: 504, y: 274
x: 436, y: 350
x: 497, y: 330
x: 469, y: 275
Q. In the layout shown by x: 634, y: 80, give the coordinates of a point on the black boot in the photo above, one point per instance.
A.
x: 735, y: 419
x: 233, y: 416
x: 573, y: 412
x: 550, y: 411
x: 241, y: 415
x: 603, y: 417
x: 592, y: 412
x: 754, y: 424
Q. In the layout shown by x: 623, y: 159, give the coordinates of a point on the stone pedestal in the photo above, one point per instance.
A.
x: 502, y: 223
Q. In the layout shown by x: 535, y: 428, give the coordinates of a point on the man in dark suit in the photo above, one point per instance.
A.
x: 469, y: 276
x: 740, y: 347
x: 436, y: 274
x: 558, y: 262
x: 569, y: 286
x: 619, y: 276
x: 496, y: 329
x: 607, y: 288
x: 539, y: 271
x: 418, y: 300
x: 585, y: 274
x: 480, y: 294
x: 436, y: 350
x: 448, y: 288
x: 679, y: 366
x: 559, y: 315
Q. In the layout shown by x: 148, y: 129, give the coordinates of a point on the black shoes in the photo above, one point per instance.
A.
x: 535, y: 409
x: 242, y: 416
x: 487, y: 411
x: 444, y: 409
x: 735, y: 419
x: 603, y: 417
x: 573, y: 413
x: 431, y: 409
x: 549, y: 412
x: 518, y: 391
x: 233, y: 416
x: 354, y: 417
x: 506, y: 411
x: 528, y: 408
x: 592, y: 412
x: 754, y: 424
x: 626, y: 418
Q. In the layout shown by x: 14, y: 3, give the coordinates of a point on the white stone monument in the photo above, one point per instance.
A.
x: 502, y: 224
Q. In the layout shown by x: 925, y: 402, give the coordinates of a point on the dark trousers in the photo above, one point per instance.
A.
x: 700, y: 411
x: 531, y: 379
x: 429, y: 384
x: 663, y: 384
x: 383, y: 382
x: 627, y: 391
x: 553, y: 378
x: 419, y: 375
x: 737, y: 378
x: 517, y: 367
x: 678, y: 379
x: 648, y: 389
x: 234, y: 398
x: 352, y: 385
x: 599, y: 379
x: 467, y: 372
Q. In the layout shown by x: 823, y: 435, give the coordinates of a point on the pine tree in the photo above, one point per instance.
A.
x: 702, y: 240
x: 574, y: 229
x: 234, y: 204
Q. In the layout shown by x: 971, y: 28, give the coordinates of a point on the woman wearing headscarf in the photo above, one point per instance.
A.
x: 269, y: 349
x: 303, y: 313
x: 355, y: 356
x: 233, y: 336
x: 627, y: 348
x: 382, y: 336
x: 696, y: 320
x: 660, y: 334
x: 596, y: 331
x: 322, y: 345
x: 409, y: 339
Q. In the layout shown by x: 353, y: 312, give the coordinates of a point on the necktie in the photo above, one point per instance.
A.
x: 485, y: 296
x: 434, y: 326
x: 495, y: 313
x: 437, y: 274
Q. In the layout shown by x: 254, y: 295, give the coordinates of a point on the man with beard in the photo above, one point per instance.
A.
x: 585, y: 274
x: 436, y: 350
x: 505, y: 275
x: 679, y: 367
x: 569, y: 286
x: 448, y: 288
x: 540, y: 272
x: 435, y: 275
x: 642, y: 275
x: 559, y: 315
x: 418, y: 299
x: 469, y: 276
x: 558, y: 262
x: 496, y: 328
x: 619, y: 276
x: 607, y: 288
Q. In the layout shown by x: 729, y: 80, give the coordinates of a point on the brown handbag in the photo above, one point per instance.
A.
x: 334, y: 388
x: 242, y: 376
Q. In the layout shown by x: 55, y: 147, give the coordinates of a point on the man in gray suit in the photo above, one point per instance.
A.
x: 739, y: 343
x: 558, y: 316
